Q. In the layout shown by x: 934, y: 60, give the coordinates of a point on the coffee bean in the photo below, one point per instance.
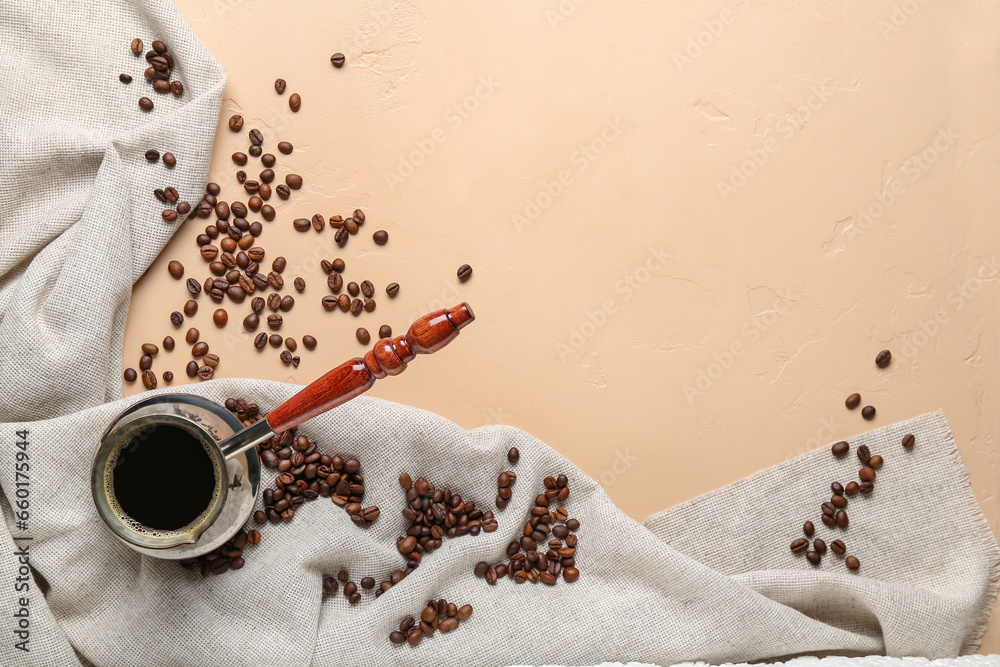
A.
x: 301, y: 224
x: 152, y: 155
x: 339, y: 265
x: 351, y: 226
x: 294, y: 102
x: 819, y: 546
x: 864, y: 454
x: 171, y: 195
x: 341, y: 237
x: 199, y: 349
x: 381, y: 237
x: 353, y: 289
x: 852, y: 563
x: 392, y: 289
x: 168, y: 343
x: 260, y: 341
x: 149, y: 74
x: 397, y: 637
x: 287, y: 302
x: 150, y: 349
x: 367, y: 288
x: 356, y: 307
x: 183, y: 208
x: 570, y: 574
x: 464, y: 272
x: 337, y: 59
x: 176, y: 318
x: 851, y: 489
x: 137, y: 46
x: 875, y: 462
x: 145, y: 104
x: 842, y: 519
x: 369, y: 305
x: 169, y: 214
x: 161, y: 86
x: 808, y: 528
x: 177, y: 88
x: 192, y: 336
x: 236, y: 122
x: 175, y: 269
x: 909, y: 440
x: 385, y: 331
x: 145, y: 362
x: 883, y: 358
x: 124, y: 78
x: 837, y: 488
x: 130, y: 375
x: 274, y: 321
x: 829, y: 509
x: 813, y: 558
x: 256, y: 137
x: 329, y: 302
x: 192, y: 369
x: 220, y: 317
x: 275, y: 280
x: 838, y: 547
x: 363, y: 335
x: 206, y: 372
x: 866, y: 474
x: 840, y: 448
x: 193, y: 286
x: 799, y: 545
x: 309, y: 342
x: 866, y: 487
x: 573, y: 524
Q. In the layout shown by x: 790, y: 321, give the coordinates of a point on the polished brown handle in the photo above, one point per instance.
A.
x: 389, y: 356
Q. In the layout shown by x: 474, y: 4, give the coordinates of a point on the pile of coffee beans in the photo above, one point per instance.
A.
x: 227, y: 557
x: 161, y: 66
x: 882, y: 360
x: 547, y: 548
x: 438, y: 615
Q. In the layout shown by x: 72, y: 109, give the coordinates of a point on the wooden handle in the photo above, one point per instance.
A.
x: 389, y: 356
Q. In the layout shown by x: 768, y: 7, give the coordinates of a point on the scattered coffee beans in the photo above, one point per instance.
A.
x: 883, y: 358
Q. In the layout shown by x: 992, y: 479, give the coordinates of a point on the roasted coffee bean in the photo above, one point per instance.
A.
x: 363, y: 335
x: 183, y: 208
x: 309, y: 342
x: 256, y: 137
x: 852, y: 563
x: 274, y: 322
x: 193, y: 286
x: 351, y: 226
x: 356, y: 307
x: 124, y: 78
x: 571, y: 574
x: 829, y: 509
x: 236, y: 122
x: 275, y: 280
x: 842, y: 519
x: 171, y: 194
x: 341, y: 237
x: 161, y: 86
x: 338, y: 265
x: 819, y: 546
x: 137, y: 46
x: 287, y: 302
x: 251, y: 186
x: 274, y: 301
x: 149, y: 73
x: 192, y: 336
x: 160, y: 194
x: 149, y: 379
x: 318, y: 222
x: 130, y: 375
x: 299, y: 284
x: 813, y: 557
x: 220, y: 317
x: 329, y: 302
x: 838, y: 501
x: 199, y: 349
x: 353, y: 289
x: 464, y: 272
x: 283, y: 192
x: 145, y: 362
x: 175, y: 269
x: 334, y: 282
x: 152, y: 155
x: 267, y: 175
x: 573, y: 524
x: 337, y: 59
x: 851, y: 488
x: 864, y: 454
x: 392, y: 289
x: 177, y: 88
x: 808, y: 528
x: 145, y: 104
x: 260, y: 341
x: 866, y: 487
x: 210, y: 360
x: 367, y: 288
x: 192, y: 369
x: 285, y: 147
x: 840, y: 448
x: 868, y: 412
x: 150, y: 348
x: 168, y: 343
x: 866, y: 474
x: 883, y: 358
x: 169, y: 214
x: 909, y: 440
x: 385, y: 331
x: 800, y: 545
x: 875, y: 461
x: 294, y: 102
x: 853, y: 401
x: 838, y: 547
x: 301, y: 224
x: 381, y: 237
x: 240, y: 159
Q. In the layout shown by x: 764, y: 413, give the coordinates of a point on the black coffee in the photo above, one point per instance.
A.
x: 164, y: 478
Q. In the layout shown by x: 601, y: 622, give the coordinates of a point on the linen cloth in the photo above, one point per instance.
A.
x: 710, y: 580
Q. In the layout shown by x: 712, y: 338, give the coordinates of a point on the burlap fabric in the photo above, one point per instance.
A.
x: 709, y: 580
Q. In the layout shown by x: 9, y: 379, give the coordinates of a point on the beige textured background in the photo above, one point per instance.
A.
x: 692, y: 224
